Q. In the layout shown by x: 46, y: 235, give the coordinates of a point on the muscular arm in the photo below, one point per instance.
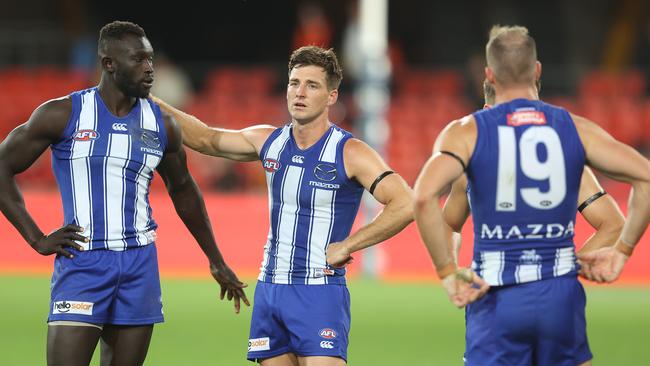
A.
x: 602, y: 214
x: 365, y: 165
x: 459, y: 137
x: 17, y: 153
x: 625, y: 164
x: 455, y: 212
x: 241, y: 145
x: 437, y: 174
x: 190, y: 207
x: 622, y: 163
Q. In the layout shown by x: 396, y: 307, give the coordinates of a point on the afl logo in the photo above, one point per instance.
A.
x: 325, y: 172
x: 327, y: 333
x: 86, y: 135
x: 271, y: 165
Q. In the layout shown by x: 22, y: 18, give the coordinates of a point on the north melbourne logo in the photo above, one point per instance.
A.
x: 530, y: 257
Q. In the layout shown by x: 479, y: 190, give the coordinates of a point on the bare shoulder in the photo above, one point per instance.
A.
x: 357, y: 151
x: 582, y: 122
x: 259, y: 131
x: 588, y: 130
x: 362, y: 162
x: 460, y: 127
x: 51, y: 118
x: 59, y: 108
x: 257, y: 134
x: 174, y: 135
x: 458, y: 137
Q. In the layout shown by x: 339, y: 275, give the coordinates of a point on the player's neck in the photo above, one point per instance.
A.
x: 504, y: 95
x: 116, y: 102
x: 307, y: 134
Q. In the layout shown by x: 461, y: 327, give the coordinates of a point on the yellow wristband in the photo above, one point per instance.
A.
x: 624, y: 248
x: 445, y: 271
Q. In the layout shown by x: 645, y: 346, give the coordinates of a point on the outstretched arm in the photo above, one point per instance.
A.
x: 623, y: 163
x: 365, y: 165
x: 17, y: 153
x: 241, y: 145
x: 190, y: 207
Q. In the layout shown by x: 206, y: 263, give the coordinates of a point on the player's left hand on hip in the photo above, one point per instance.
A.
x: 464, y: 287
x: 231, y: 287
x: 338, y: 255
x: 603, y: 265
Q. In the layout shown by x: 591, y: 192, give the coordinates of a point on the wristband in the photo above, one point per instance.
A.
x: 448, y: 269
x: 624, y: 248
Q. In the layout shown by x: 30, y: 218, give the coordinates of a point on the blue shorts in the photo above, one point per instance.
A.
x: 107, y: 287
x: 536, y: 323
x: 306, y: 320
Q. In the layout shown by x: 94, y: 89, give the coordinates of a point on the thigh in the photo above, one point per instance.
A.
x: 583, y: 352
x: 124, y: 345
x: 321, y: 361
x: 285, y: 359
x: 71, y: 345
x: 138, y: 299
x: 562, y: 338
x: 83, y: 287
x: 268, y: 337
x: 317, y: 318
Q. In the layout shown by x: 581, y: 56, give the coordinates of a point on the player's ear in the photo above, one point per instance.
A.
x: 538, y: 70
x: 107, y: 64
x: 489, y: 74
x: 333, y: 97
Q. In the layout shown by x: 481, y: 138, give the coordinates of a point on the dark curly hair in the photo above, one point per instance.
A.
x: 317, y: 56
x: 117, y: 30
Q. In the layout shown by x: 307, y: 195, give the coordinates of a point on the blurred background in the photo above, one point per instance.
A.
x: 225, y: 62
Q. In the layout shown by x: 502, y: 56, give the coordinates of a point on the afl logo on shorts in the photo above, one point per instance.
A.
x: 271, y: 165
x: 86, y: 135
x: 327, y: 333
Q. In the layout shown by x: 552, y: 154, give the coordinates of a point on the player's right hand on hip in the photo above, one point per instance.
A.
x: 58, y: 240
x: 464, y: 287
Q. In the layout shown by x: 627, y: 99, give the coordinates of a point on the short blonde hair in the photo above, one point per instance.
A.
x: 511, y: 53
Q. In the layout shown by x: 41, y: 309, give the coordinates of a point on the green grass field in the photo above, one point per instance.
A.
x: 392, y: 324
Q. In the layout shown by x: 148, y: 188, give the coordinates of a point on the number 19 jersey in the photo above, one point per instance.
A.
x: 523, y: 179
